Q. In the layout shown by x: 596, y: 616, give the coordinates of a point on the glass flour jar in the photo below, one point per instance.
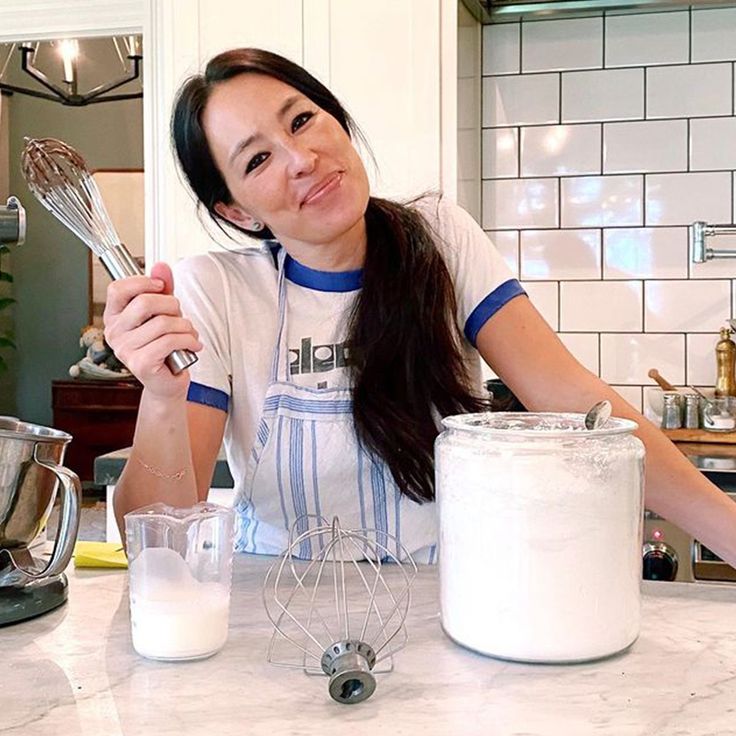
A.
x: 540, y: 535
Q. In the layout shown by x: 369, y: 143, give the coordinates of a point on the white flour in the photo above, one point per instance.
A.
x: 173, y: 615
x: 540, y: 554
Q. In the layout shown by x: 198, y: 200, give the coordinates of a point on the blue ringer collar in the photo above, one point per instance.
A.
x: 300, y: 274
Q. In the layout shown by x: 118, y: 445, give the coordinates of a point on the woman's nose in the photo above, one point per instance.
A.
x: 302, y: 160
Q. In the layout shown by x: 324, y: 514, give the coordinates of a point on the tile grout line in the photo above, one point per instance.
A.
x: 610, y: 121
x: 644, y: 89
x: 610, y: 175
x: 597, y: 70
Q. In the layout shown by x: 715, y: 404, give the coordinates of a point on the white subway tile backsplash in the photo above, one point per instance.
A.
x: 584, y: 347
x: 645, y: 253
x: 714, y: 34
x: 555, y: 150
x: 521, y: 100
x: 686, y: 306
x: 500, y: 152
x: 623, y: 158
x: 632, y: 394
x: 718, y: 268
x: 713, y: 143
x: 544, y: 296
x: 501, y: 44
x: 611, y: 94
x: 699, y: 90
x: 626, y: 359
x: 520, y: 203
x: 602, y: 201
x: 562, y: 44
x: 659, y: 145
x: 560, y: 254
x: 507, y: 244
x: 681, y: 199
x: 610, y: 306
x: 701, y: 359
x: 647, y: 39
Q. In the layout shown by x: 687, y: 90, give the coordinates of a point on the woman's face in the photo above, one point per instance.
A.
x: 287, y: 162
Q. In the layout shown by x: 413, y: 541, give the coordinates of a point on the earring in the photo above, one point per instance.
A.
x: 257, y: 226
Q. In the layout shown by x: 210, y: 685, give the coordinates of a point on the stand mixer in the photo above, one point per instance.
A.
x: 31, y: 469
x: 12, y: 223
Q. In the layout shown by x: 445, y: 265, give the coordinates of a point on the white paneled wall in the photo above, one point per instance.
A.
x: 603, y: 139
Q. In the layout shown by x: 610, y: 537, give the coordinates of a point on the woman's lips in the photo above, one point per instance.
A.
x: 325, y: 187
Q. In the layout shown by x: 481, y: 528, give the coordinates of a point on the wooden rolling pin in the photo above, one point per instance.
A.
x: 664, y: 384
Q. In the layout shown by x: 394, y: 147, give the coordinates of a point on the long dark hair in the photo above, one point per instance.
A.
x: 404, y: 343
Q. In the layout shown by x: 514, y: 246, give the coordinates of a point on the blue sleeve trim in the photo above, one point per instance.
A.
x: 201, y: 394
x: 489, y: 306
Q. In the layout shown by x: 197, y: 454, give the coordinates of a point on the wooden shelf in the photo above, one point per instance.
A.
x: 701, y: 435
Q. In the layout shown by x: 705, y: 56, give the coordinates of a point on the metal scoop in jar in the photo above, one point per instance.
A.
x: 598, y: 415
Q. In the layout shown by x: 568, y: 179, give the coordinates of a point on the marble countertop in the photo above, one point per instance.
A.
x: 74, y: 672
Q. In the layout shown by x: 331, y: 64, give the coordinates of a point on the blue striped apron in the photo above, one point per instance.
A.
x: 307, y: 460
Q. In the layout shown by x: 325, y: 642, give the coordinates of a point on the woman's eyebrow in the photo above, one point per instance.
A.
x: 288, y: 103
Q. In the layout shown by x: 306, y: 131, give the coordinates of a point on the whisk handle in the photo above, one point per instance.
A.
x: 179, y: 360
x: 120, y: 264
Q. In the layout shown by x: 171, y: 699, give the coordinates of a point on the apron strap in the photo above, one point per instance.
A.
x: 280, y: 359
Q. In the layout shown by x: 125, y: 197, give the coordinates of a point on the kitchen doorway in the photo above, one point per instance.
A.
x: 53, y: 275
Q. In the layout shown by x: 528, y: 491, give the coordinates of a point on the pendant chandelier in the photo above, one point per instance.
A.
x: 66, y: 92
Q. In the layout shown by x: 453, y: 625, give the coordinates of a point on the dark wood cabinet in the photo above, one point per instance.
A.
x: 100, y: 416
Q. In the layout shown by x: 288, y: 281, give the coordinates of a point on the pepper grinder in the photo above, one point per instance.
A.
x: 726, y: 365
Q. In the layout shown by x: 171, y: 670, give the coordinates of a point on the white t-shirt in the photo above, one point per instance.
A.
x: 232, y: 299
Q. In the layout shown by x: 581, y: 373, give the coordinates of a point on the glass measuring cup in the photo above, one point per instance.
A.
x: 180, y: 572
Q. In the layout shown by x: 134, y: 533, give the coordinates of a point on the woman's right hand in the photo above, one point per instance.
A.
x: 143, y: 325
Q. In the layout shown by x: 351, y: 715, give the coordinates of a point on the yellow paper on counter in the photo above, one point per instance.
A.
x: 99, y: 554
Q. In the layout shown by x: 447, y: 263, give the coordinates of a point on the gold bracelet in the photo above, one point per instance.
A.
x: 153, y: 471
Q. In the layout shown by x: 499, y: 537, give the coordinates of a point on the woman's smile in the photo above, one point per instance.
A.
x: 321, y: 191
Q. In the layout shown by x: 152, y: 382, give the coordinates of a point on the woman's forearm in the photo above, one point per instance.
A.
x: 160, y: 464
x: 674, y: 488
x: 678, y: 491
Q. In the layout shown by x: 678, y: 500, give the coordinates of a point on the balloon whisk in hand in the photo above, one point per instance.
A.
x: 58, y: 177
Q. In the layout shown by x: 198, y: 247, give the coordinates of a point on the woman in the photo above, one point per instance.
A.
x: 327, y: 354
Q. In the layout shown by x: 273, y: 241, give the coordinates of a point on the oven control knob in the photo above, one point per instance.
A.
x: 660, y: 561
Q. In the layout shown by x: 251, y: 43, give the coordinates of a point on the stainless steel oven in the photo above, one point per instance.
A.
x: 671, y: 554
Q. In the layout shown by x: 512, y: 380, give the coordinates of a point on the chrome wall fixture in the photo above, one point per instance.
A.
x: 128, y: 50
x: 699, y: 231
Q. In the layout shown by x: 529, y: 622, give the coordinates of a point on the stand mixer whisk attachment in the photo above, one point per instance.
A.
x: 341, y: 612
x: 58, y: 177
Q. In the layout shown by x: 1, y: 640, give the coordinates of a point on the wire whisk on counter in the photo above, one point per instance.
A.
x: 338, y: 613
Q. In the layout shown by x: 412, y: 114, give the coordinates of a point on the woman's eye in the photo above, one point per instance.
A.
x: 299, y: 120
x: 256, y: 161
x: 296, y: 123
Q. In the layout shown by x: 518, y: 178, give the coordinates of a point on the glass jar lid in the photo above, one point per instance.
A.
x: 535, y: 425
